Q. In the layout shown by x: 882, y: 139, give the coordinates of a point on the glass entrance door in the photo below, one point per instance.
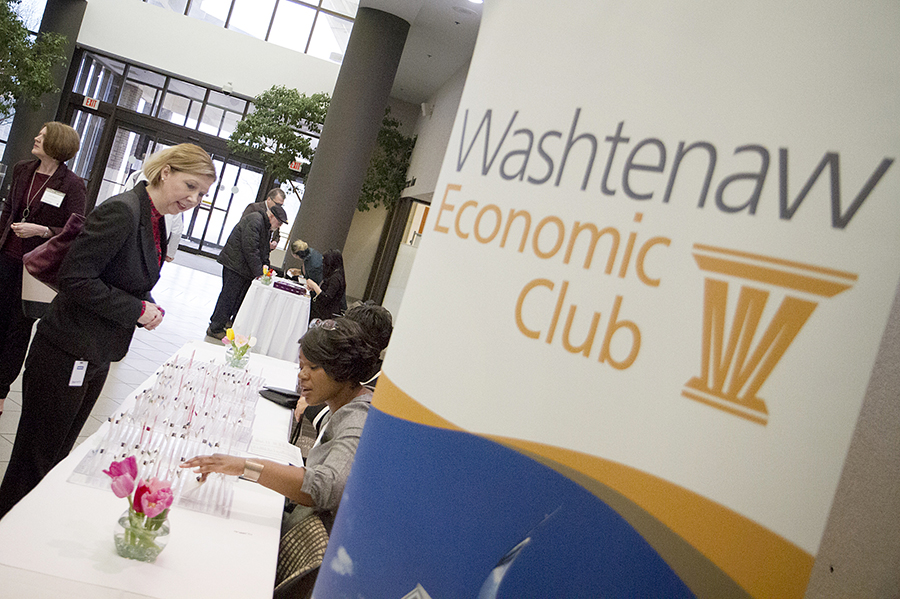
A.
x: 130, y: 147
x: 208, y: 227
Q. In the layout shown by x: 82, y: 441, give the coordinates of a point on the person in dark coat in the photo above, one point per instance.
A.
x: 275, y: 197
x: 43, y: 194
x: 242, y: 259
x: 329, y: 299
x: 104, y: 293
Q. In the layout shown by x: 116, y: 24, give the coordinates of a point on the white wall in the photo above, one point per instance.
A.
x: 433, y: 133
x: 365, y: 230
x: 359, y: 250
x: 200, y: 51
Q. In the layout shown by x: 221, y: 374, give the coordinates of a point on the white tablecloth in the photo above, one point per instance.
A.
x: 58, y: 541
x: 277, y: 319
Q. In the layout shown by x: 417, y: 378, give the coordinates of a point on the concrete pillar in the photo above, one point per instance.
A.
x: 350, y: 130
x: 60, y: 16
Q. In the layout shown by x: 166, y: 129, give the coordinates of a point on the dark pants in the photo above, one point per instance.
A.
x: 53, y: 414
x: 15, y: 327
x: 234, y: 288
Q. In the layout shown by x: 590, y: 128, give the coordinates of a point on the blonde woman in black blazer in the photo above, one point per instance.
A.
x: 104, y: 293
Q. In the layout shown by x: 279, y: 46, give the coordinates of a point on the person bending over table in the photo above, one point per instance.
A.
x: 330, y: 298
x: 311, y: 267
x: 104, y: 293
x: 335, y: 357
x: 274, y: 197
x: 243, y: 257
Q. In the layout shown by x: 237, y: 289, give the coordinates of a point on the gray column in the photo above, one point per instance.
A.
x: 350, y: 130
x: 60, y: 16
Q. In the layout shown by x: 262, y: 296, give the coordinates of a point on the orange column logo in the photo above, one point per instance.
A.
x: 734, y: 368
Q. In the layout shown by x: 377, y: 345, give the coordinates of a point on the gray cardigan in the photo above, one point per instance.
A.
x: 329, y: 461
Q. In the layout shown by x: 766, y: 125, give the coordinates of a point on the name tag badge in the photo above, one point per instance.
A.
x: 53, y: 197
x: 78, y: 371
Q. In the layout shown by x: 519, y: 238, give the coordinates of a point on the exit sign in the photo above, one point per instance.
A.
x: 91, y: 103
x: 295, y: 166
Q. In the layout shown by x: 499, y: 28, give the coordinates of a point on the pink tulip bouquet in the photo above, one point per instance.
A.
x: 145, y: 522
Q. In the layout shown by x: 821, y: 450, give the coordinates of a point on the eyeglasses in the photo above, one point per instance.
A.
x: 328, y: 325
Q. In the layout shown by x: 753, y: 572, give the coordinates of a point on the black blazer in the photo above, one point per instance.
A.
x: 42, y: 213
x: 110, y: 268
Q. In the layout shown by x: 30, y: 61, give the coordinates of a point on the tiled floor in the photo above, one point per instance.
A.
x: 188, y: 297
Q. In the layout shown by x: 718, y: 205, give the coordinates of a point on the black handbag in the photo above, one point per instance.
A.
x: 43, y: 262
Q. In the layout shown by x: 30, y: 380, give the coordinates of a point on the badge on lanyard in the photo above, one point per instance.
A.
x: 78, y: 372
x: 53, y: 197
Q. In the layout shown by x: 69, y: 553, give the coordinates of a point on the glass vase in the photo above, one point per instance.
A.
x: 141, y: 538
x: 232, y: 360
x: 266, y: 280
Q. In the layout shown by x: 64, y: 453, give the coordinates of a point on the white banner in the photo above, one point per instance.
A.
x: 662, y: 251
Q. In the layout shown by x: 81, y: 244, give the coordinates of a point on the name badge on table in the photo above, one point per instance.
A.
x: 53, y: 197
x: 78, y: 371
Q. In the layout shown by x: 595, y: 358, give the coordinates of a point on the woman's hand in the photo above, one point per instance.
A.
x: 310, y: 284
x: 218, y: 462
x: 299, y: 409
x: 24, y: 230
x: 152, y: 316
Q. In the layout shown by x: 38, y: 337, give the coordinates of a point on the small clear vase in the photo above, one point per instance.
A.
x: 236, y: 362
x: 140, y: 538
x: 266, y: 280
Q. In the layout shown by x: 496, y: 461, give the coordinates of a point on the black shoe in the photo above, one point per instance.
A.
x: 215, y: 334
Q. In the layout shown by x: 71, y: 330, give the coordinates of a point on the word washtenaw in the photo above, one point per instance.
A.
x: 539, y: 157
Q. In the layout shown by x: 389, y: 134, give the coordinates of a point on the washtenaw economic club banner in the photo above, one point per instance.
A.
x: 642, y: 319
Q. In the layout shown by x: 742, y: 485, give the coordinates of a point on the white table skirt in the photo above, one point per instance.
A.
x: 57, y: 541
x: 277, y: 319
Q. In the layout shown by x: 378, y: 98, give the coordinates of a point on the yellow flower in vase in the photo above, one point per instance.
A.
x: 239, y: 346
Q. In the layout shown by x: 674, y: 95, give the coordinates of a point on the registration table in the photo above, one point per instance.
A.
x: 58, y: 541
x: 277, y: 318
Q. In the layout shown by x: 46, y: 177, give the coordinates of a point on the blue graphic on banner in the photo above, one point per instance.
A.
x: 461, y: 516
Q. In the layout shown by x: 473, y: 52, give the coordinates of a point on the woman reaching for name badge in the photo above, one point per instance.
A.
x: 104, y: 293
x: 42, y: 196
x: 335, y: 357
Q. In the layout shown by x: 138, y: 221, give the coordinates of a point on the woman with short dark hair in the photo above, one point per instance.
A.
x: 335, y: 357
x: 42, y: 196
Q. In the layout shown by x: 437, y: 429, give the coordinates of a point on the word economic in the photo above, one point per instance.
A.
x: 548, y: 236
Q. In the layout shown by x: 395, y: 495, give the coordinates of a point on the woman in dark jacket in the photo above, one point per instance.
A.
x: 104, y: 293
x: 44, y: 192
x: 329, y: 300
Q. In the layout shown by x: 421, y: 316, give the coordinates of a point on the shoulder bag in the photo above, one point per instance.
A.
x: 43, y: 262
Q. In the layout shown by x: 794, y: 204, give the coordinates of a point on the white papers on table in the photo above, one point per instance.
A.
x: 278, y: 451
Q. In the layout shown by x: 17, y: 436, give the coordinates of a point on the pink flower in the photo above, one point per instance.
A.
x: 153, y: 497
x: 123, y: 474
x: 226, y: 341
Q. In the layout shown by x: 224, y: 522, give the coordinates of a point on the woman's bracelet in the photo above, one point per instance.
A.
x: 252, y: 470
